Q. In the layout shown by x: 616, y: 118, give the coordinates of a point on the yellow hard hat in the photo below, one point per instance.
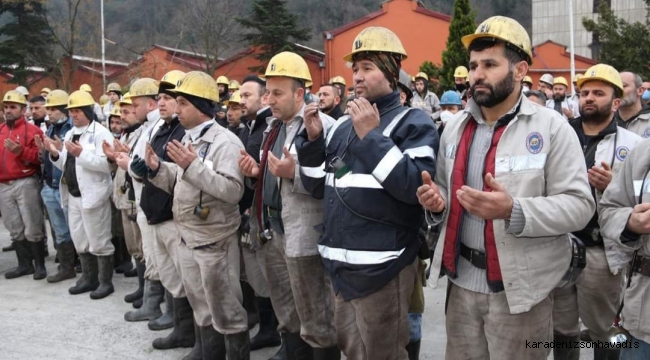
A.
x: 80, y: 98
x: 15, y: 96
x: 233, y: 85
x: 56, y: 98
x: 412, y: 78
x: 528, y: 79
x: 504, y: 29
x: 222, y: 80
x: 577, y: 77
x: 560, y: 80
x: 126, y: 99
x: 116, y: 111
x: 235, y: 98
x: 172, y: 78
x: 288, y: 64
x: 113, y: 87
x: 338, y: 80
x: 547, y: 78
x: 376, y: 39
x: 144, y: 87
x: 602, y: 72
x: 46, y: 90
x: 86, y: 88
x: 103, y: 99
x: 461, y: 72
x: 422, y: 75
x: 199, y: 84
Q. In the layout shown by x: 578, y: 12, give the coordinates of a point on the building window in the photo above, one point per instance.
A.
x: 597, y: 3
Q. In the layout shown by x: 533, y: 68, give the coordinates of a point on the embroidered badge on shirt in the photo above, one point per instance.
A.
x: 534, y: 142
x: 646, y: 132
x: 621, y: 153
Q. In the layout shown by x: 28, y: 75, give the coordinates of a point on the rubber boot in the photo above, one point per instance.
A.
x: 281, y: 354
x: 40, y: 272
x: 238, y: 346
x: 183, y: 333
x: 213, y: 344
x: 606, y: 354
x: 89, y: 275
x: 197, y: 350
x: 412, y: 348
x: 137, y: 304
x: 248, y: 303
x: 139, y: 292
x: 166, y: 320
x: 132, y: 272
x: 25, y: 266
x: 106, y: 268
x: 122, y: 257
x: 567, y: 351
x: 65, y: 252
x: 296, y: 347
x: 268, y: 335
x: 77, y: 263
x: 46, y: 251
x: 154, y: 294
x: 10, y: 247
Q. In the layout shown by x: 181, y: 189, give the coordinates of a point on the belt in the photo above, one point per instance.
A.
x: 641, y: 265
x: 475, y: 257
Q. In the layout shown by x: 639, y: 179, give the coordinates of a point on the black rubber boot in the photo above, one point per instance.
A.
x: 413, y: 350
x: 281, y: 354
x: 46, y: 251
x: 334, y: 353
x: 296, y: 347
x: 65, y: 252
x: 238, y: 346
x: 213, y: 344
x: 567, y: 350
x: 154, y: 294
x: 38, y: 254
x: 248, y: 303
x: 606, y: 354
x: 197, y: 350
x: 139, y: 292
x: 137, y: 304
x: 89, y: 277
x: 166, y: 320
x: 183, y: 333
x: 105, y: 277
x: 10, y: 247
x: 132, y: 272
x: 24, y: 257
x: 268, y: 335
x: 122, y: 257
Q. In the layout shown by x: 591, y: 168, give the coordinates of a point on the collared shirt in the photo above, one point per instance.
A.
x: 195, y: 132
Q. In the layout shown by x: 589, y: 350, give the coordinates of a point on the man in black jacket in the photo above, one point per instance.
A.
x: 254, y: 114
x: 157, y: 206
x: 329, y: 101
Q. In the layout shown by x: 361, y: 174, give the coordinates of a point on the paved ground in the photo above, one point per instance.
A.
x: 42, y: 321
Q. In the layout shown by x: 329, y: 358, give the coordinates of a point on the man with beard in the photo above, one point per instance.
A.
x: 329, y: 100
x: 545, y: 85
x: 20, y: 201
x: 560, y: 102
x: 595, y: 295
x: 234, y: 113
x: 631, y: 114
x: 39, y: 113
x: 506, y: 210
x: 425, y: 99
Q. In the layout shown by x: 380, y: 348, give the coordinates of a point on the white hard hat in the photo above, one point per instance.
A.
x: 23, y: 90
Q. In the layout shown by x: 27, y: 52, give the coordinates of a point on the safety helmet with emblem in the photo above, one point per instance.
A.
x: 115, y: 111
x: 222, y: 80
x: 15, y: 96
x: 114, y: 87
x: 450, y: 97
x: 461, y: 72
x: 547, y: 78
x: 291, y: 65
x: 528, y: 79
x: 126, y: 99
x: 422, y: 75
x: 235, y: 98
x: 199, y: 84
x: 560, y: 80
x: 376, y: 39
x: 144, y: 87
x: 338, y: 80
x: 56, y: 98
x: 604, y: 73
x: 233, y: 85
x: 504, y: 29
x: 80, y: 98
x: 86, y: 88
x: 170, y: 80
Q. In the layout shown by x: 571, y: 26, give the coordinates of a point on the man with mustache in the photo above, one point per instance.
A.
x: 560, y: 102
x: 329, y: 100
x: 507, y: 193
x: 595, y: 296
x: 631, y: 114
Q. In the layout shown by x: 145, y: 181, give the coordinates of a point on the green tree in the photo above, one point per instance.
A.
x: 433, y: 71
x: 462, y: 23
x: 614, y: 36
x: 273, y: 28
x: 26, y: 38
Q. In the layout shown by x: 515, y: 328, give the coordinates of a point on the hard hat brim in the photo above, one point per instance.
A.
x: 349, y: 56
x: 597, y: 78
x: 308, y: 83
x: 468, y: 39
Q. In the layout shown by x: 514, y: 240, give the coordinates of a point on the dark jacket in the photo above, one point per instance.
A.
x: 251, y: 137
x: 336, y: 113
x: 372, y: 216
